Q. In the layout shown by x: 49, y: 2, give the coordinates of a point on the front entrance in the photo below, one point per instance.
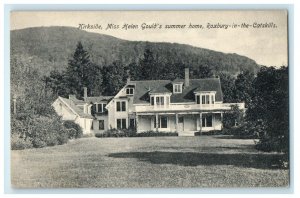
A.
x: 180, y: 124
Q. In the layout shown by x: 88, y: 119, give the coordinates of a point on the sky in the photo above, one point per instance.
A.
x: 267, y: 46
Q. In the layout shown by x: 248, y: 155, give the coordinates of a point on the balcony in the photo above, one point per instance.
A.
x: 186, y: 107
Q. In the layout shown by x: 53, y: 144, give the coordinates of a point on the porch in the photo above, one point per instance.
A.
x: 186, y: 124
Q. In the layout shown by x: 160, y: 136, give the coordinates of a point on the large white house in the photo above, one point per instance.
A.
x: 184, y: 105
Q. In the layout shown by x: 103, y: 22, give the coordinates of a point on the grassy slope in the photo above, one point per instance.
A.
x: 147, y: 162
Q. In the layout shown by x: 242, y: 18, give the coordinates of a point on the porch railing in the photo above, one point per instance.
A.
x: 186, y: 107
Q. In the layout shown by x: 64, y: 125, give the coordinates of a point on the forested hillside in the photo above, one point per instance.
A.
x: 50, y: 48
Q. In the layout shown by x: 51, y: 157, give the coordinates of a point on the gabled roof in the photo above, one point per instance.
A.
x: 72, y: 106
x: 143, y: 88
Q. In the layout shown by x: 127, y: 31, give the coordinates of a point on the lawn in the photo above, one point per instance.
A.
x: 205, y: 161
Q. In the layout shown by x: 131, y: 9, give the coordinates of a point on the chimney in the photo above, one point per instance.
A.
x: 84, y: 93
x: 186, y: 77
x: 128, y: 76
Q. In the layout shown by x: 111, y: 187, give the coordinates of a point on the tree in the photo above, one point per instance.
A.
x: 149, y: 67
x: 135, y: 71
x: 78, y: 70
x: 270, y: 106
x: 228, y: 87
x: 57, y: 82
x: 94, y: 82
x: 244, y: 87
x: 114, y: 78
x: 202, y: 71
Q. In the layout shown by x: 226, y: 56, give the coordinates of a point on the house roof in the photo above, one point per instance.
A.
x: 98, y: 99
x: 72, y: 105
x: 143, y: 88
x: 177, y: 80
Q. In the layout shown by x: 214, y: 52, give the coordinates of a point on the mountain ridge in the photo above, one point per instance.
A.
x: 50, y: 48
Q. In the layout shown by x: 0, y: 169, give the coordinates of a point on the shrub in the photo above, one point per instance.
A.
x: 212, y: 132
x: 232, y: 118
x: 112, y: 133
x: 132, y: 133
x: 38, y: 132
x: 19, y: 143
x: 156, y: 133
x: 74, y: 130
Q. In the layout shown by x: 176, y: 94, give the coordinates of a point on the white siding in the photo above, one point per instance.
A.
x: 96, y: 124
x: 190, y: 123
x: 144, y: 123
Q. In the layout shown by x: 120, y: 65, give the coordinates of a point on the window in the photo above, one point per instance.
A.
x: 198, y: 99
x: 162, y: 122
x: 177, y: 88
x: 121, y: 106
x: 206, y: 99
x: 100, y: 107
x: 129, y: 91
x: 152, y: 100
x: 131, y: 123
x: 203, y: 99
x: 180, y: 120
x: 101, y: 124
x: 160, y: 100
x: 121, y: 124
x: 207, y: 121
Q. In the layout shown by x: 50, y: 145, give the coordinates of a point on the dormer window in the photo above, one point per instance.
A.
x: 162, y: 100
x: 129, y: 91
x: 177, y: 88
x: 205, y: 98
x: 99, y: 107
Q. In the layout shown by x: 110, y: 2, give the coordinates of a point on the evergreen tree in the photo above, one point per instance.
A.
x: 114, y: 78
x: 78, y: 70
x: 135, y: 71
x: 149, y: 68
x: 94, y: 82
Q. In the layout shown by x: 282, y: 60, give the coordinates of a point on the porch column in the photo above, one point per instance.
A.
x: 200, y: 122
x: 156, y: 121
x: 221, y: 120
x: 213, y: 120
x: 176, y: 122
x: 136, y: 122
